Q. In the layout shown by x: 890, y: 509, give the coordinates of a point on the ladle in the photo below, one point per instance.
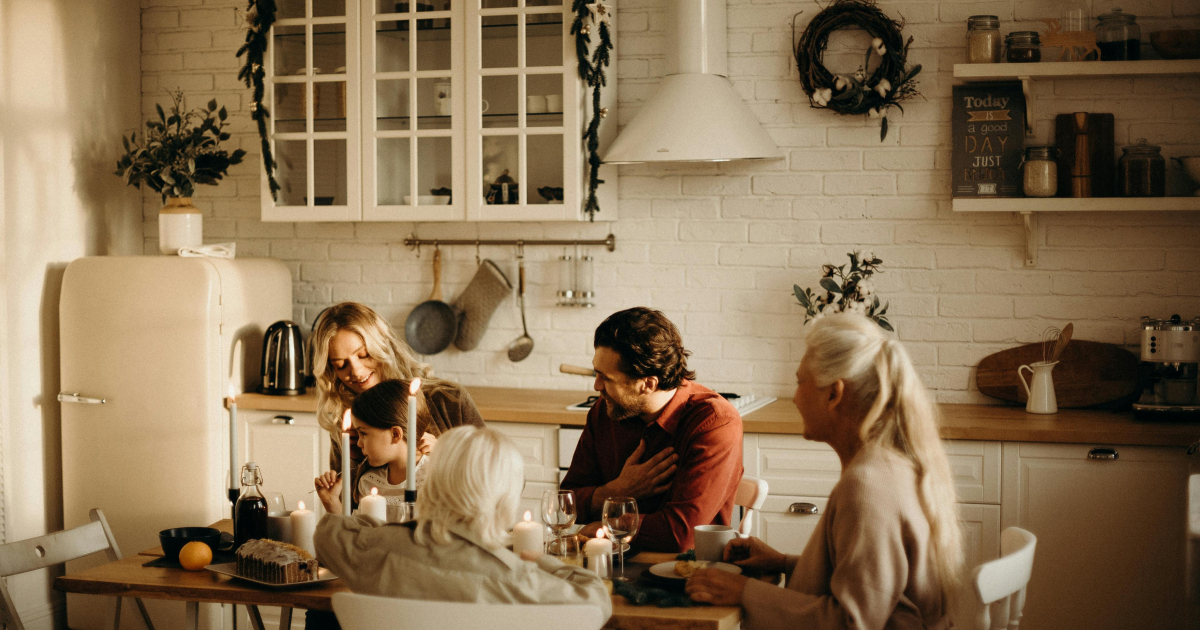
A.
x: 523, y: 345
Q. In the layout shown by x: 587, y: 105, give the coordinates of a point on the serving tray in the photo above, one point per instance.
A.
x: 230, y: 569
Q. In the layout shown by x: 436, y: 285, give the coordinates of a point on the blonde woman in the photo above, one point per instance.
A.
x: 888, y: 550
x: 455, y: 550
x: 353, y: 349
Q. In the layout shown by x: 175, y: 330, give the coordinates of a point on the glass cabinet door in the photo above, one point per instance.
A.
x: 313, y: 59
x: 413, y: 110
x: 523, y: 152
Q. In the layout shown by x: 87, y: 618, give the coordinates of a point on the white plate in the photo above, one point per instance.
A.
x: 666, y: 570
x: 230, y: 569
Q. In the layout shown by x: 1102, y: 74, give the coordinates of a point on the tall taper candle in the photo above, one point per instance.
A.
x: 346, y: 463
x: 410, y: 481
x: 234, y: 482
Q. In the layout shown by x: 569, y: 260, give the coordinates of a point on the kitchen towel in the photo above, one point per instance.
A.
x: 215, y: 250
x: 478, y: 302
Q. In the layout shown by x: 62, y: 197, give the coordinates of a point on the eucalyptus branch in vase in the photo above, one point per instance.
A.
x: 846, y: 291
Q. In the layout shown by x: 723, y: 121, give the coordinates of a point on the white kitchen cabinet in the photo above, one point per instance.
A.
x: 378, y: 104
x: 538, y: 444
x: 1111, y: 533
x: 290, y: 449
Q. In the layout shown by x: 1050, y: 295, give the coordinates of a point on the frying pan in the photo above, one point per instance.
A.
x: 432, y: 325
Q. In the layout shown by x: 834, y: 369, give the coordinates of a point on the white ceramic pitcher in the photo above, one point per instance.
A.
x: 1041, y: 393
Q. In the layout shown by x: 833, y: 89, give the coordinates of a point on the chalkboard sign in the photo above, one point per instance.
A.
x: 988, y: 129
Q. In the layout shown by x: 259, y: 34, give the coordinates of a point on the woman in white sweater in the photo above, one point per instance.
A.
x: 887, y: 552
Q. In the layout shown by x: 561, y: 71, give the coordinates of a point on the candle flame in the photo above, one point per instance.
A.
x: 346, y: 421
x: 414, y: 387
x: 599, y: 533
x: 528, y: 516
x: 301, y: 504
x: 232, y: 391
x: 374, y: 491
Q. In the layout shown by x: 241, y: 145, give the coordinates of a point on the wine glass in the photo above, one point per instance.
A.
x: 620, y: 519
x: 558, y: 511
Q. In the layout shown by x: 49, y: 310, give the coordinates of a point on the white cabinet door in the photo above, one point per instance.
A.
x: 538, y: 444
x: 975, y: 468
x: 290, y: 449
x: 981, y: 533
x: 787, y: 530
x: 1111, y: 533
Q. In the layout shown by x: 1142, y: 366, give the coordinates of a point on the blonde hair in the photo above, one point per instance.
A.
x: 395, y: 359
x: 899, y: 416
x: 474, y: 482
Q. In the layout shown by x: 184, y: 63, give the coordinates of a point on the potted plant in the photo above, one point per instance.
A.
x: 846, y: 291
x: 176, y: 152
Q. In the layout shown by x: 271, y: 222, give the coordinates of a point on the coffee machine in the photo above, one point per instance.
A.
x: 1167, y: 373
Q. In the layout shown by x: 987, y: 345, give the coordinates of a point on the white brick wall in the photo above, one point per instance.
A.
x: 718, y: 246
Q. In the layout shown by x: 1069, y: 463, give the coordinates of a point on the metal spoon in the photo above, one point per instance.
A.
x: 523, y: 345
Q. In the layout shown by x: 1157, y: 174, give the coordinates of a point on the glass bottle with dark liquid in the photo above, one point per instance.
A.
x: 250, y: 513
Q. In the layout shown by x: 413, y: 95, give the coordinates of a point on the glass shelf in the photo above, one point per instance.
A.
x: 435, y: 117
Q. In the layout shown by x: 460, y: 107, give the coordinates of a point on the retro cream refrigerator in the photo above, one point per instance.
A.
x: 149, y: 348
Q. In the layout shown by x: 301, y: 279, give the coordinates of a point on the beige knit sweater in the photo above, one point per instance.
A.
x: 868, y: 563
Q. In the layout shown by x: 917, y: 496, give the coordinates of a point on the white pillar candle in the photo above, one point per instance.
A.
x: 599, y: 554
x: 410, y: 481
x: 528, y: 536
x: 374, y: 505
x: 346, y: 463
x: 304, y: 525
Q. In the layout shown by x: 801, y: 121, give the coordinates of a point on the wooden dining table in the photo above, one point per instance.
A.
x: 128, y: 577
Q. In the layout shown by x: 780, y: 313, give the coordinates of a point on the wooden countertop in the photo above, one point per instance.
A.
x: 959, y: 422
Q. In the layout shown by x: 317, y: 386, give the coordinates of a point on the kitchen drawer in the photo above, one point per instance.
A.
x: 783, y: 530
x: 568, y: 439
x: 290, y: 449
x: 975, y: 468
x: 538, y: 444
x: 531, y: 499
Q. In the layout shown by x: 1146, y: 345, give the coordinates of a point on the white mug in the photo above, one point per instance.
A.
x: 554, y: 103
x: 1041, y: 393
x: 711, y: 541
x: 441, y: 99
x: 535, y: 104
x: 485, y: 106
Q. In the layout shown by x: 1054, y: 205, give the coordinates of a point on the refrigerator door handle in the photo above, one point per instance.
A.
x: 76, y: 398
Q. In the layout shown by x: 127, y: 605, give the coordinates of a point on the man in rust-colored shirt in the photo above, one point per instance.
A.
x: 655, y: 435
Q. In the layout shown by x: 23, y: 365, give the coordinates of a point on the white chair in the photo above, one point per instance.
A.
x: 368, y: 612
x: 999, y: 585
x: 750, y: 495
x: 23, y: 556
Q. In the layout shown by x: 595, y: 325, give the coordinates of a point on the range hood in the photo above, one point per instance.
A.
x: 696, y: 115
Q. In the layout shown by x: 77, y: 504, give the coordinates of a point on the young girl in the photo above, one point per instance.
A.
x: 380, y: 418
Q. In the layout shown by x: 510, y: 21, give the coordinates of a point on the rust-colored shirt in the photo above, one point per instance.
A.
x: 706, y: 432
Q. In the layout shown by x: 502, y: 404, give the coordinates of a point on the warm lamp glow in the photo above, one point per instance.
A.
x: 301, y: 504
x: 414, y: 387
x: 346, y: 421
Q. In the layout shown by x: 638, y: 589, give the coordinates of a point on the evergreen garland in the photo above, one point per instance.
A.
x: 591, y: 70
x: 260, y: 15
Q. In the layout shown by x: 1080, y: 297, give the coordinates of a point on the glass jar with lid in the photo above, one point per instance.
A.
x: 1040, y: 171
x: 1023, y: 47
x: 1142, y: 171
x: 1119, y: 36
x: 983, y: 39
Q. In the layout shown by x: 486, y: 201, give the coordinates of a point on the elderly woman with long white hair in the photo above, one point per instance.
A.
x: 455, y: 549
x: 887, y: 552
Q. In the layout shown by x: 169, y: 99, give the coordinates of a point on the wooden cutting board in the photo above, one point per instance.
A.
x: 1088, y: 374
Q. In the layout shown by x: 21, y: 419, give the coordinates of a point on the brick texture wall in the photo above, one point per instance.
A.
x: 719, y: 246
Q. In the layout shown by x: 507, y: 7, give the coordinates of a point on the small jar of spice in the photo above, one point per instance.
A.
x: 1040, y: 171
x: 1119, y: 37
x: 1023, y: 47
x: 983, y: 39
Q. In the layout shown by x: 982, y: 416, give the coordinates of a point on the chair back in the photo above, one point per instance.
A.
x: 999, y: 585
x: 751, y: 494
x: 369, y: 612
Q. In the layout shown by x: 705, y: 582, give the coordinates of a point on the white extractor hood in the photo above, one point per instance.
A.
x: 696, y: 115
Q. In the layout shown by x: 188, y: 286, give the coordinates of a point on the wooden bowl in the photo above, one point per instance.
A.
x: 1181, y: 43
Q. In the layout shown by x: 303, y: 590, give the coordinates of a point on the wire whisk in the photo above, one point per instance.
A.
x: 1049, y: 343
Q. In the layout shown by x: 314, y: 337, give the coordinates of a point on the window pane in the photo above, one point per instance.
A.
x: 391, y: 47
x: 329, y: 169
x: 391, y: 104
x: 543, y: 3
x: 289, y: 50
x: 329, y: 48
x: 498, y: 39
x: 497, y: 4
x: 499, y: 101
x: 545, y: 94
x: 543, y: 41
x: 288, y: 112
x: 434, y: 104
x: 289, y: 9
x: 500, y: 169
x: 433, y: 46
x: 291, y: 171
x: 324, y: 8
x: 391, y: 174
x: 330, y: 106
x: 434, y: 169
x: 544, y: 163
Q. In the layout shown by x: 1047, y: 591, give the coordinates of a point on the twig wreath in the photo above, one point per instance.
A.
x: 591, y: 70
x: 260, y: 15
x: 861, y: 93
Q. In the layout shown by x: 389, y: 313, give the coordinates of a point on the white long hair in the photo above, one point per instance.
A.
x: 899, y: 416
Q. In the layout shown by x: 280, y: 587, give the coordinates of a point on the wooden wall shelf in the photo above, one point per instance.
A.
x: 1076, y: 69
x: 1093, y: 204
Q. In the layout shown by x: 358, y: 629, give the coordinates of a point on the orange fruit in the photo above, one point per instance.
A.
x: 195, y: 556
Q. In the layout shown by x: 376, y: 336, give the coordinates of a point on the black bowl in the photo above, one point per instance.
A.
x: 174, y: 539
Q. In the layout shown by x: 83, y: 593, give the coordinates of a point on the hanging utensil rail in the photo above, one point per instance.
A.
x: 609, y: 242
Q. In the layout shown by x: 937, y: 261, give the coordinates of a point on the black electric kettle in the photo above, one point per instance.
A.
x: 283, y: 364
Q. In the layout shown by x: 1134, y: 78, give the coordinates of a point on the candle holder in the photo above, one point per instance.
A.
x: 566, y: 280
x: 584, y: 281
